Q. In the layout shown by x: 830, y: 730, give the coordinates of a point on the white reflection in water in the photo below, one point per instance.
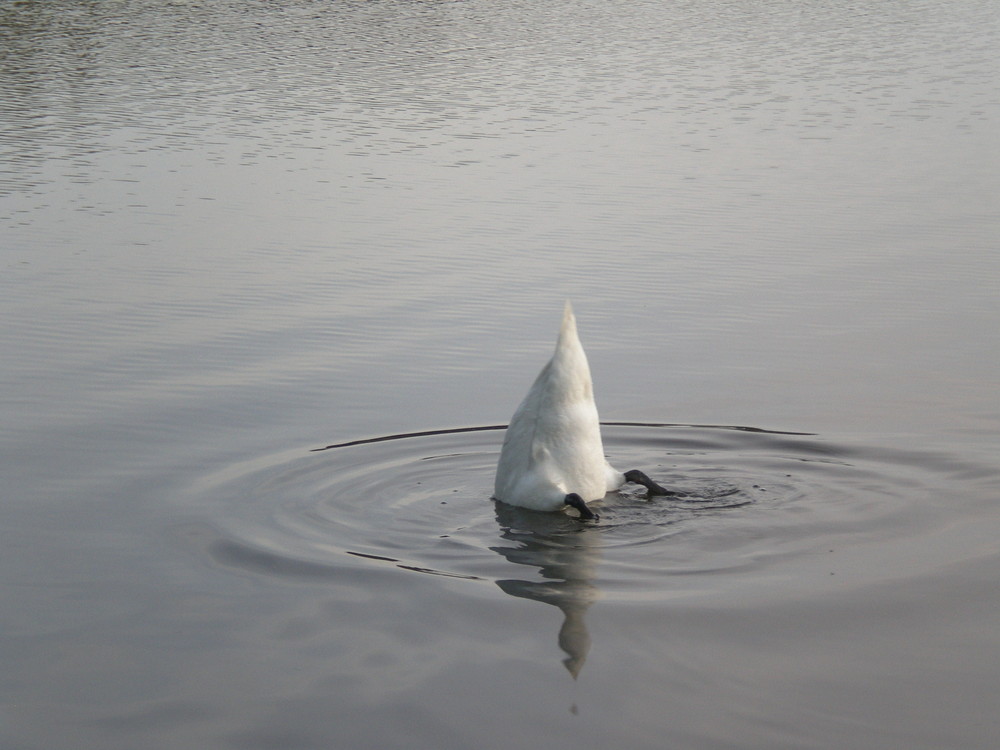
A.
x: 565, y: 553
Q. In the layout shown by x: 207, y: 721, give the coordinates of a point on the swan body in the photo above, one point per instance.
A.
x: 552, y: 453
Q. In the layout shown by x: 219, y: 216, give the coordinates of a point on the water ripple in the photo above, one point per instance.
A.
x: 758, y: 504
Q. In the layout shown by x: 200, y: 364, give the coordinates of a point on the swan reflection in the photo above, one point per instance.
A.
x: 565, y: 553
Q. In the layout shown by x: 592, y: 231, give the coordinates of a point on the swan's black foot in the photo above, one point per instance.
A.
x: 586, y: 514
x: 652, y: 487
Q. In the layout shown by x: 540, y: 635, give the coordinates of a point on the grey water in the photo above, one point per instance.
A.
x: 273, y: 276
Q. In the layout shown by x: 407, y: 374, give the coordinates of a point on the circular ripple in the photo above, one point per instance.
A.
x: 755, y: 500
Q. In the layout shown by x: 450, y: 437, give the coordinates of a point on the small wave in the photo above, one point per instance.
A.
x: 421, y: 502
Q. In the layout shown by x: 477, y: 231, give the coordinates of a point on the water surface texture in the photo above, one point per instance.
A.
x: 275, y: 275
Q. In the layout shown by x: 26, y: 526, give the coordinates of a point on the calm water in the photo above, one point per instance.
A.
x: 274, y: 273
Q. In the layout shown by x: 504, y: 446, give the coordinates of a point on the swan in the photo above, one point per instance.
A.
x: 552, y: 454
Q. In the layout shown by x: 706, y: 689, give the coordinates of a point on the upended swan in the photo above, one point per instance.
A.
x: 552, y: 454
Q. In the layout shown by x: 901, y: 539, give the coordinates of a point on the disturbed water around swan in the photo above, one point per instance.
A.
x: 275, y: 275
x: 794, y: 566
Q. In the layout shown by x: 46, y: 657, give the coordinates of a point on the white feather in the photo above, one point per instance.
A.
x: 553, y: 444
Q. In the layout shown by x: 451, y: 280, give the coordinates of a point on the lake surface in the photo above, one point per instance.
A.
x: 275, y: 275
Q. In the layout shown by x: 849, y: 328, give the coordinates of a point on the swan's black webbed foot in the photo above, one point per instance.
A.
x: 586, y: 514
x: 652, y: 487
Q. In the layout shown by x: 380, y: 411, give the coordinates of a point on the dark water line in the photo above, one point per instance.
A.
x: 458, y: 430
x: 405, y: 435
x: 738, y: 428
x: 244, y: 556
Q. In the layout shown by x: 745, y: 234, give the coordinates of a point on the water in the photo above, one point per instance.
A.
x: 237, y: 234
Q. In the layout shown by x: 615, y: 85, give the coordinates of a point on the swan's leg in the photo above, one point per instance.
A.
x: 575, y: 501
x: 652, y: 487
